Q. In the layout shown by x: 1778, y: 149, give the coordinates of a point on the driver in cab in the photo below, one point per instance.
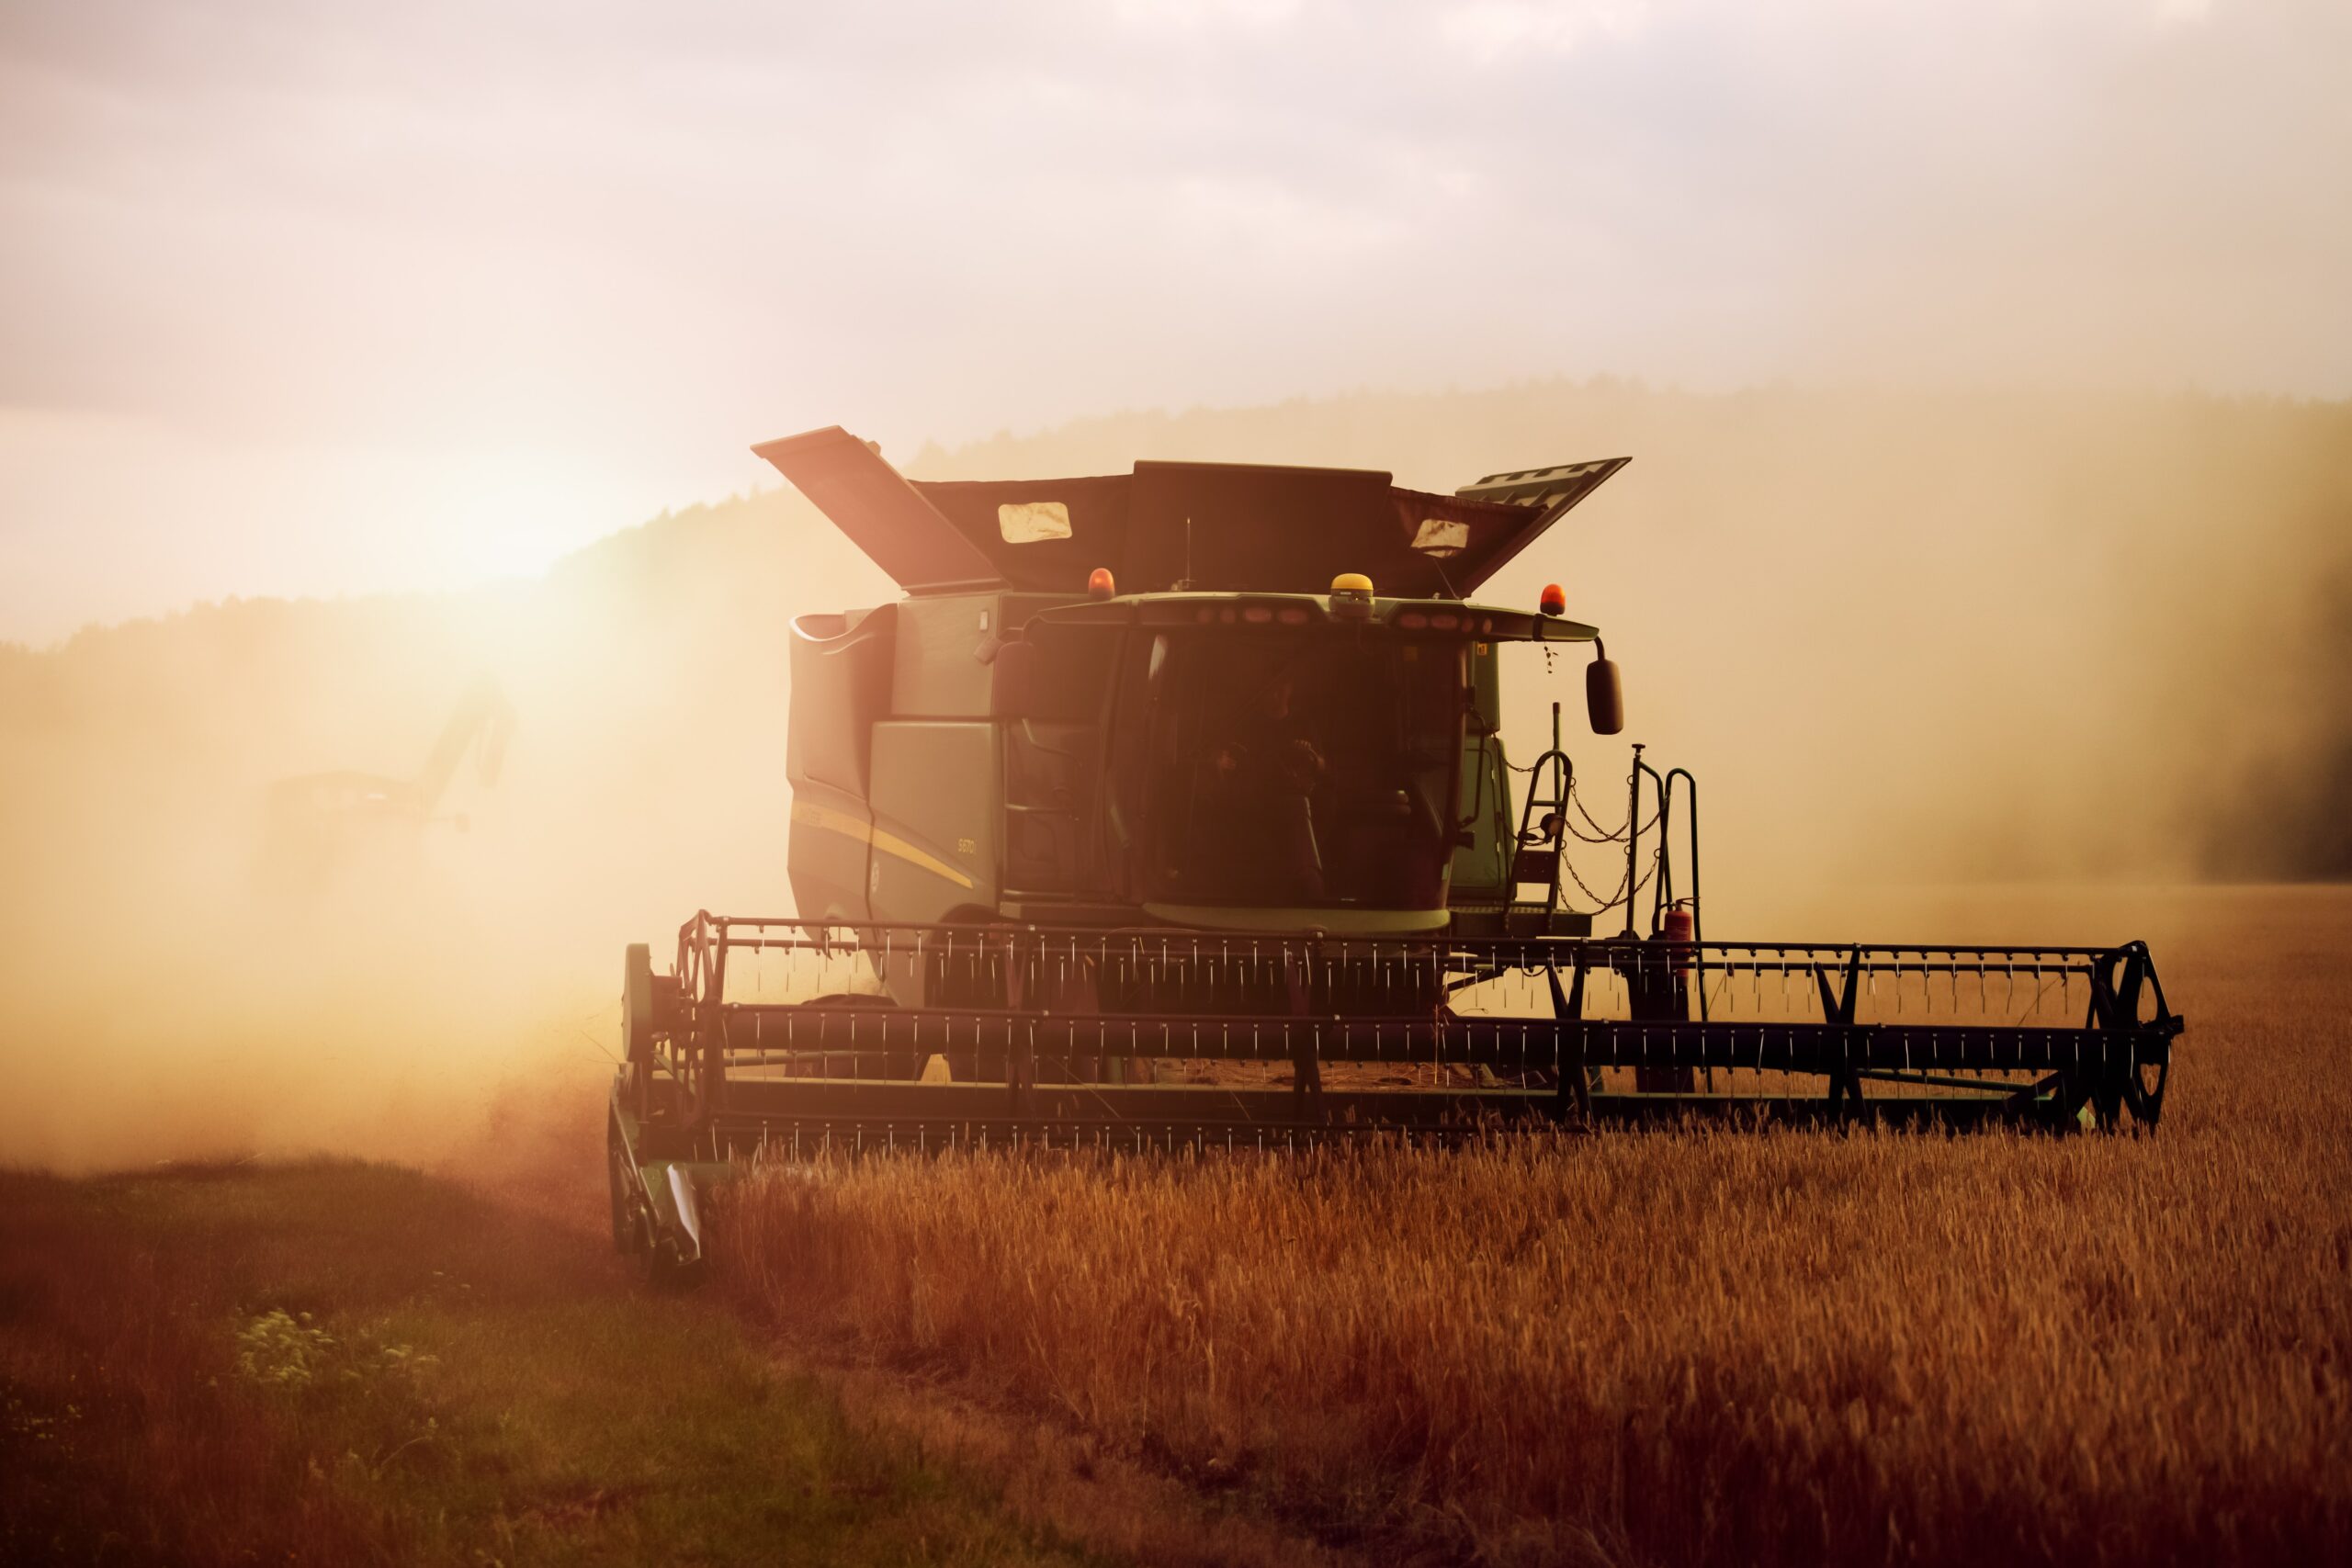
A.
x: 1269, y: 765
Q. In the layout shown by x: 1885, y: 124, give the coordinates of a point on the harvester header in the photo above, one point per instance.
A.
x: 1171, y: 810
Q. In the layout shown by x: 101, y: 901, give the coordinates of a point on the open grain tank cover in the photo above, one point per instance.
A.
x: 1204, y: 525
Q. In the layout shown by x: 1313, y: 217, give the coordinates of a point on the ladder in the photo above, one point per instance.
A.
x: 1536, y: 853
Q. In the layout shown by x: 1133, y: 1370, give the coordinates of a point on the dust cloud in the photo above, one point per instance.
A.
x: 1902, y: 640
x: 187, y: 983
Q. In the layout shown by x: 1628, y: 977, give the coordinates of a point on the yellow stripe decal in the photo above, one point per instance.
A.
x: 906, y: 851
x: 888, y: 843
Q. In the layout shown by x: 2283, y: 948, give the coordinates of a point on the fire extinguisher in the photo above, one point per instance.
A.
x: 1670, y: 994
x: 1679, y: 932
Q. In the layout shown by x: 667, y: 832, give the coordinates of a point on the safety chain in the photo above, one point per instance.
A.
x: 1614, y: 898
x: 1599, y: 835
x: 1619, y: 897
x: 1607, y: 836
x: 1576, y: 797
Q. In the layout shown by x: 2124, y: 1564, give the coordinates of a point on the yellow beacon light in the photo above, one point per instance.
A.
x: 1352, y: 594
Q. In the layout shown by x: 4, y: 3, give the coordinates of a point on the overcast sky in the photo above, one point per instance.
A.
x: 318, y: 298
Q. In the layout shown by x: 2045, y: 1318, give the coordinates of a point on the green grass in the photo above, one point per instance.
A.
x: 470, y: 1384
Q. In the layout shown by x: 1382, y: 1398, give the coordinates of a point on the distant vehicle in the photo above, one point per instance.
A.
x: 317, y: 821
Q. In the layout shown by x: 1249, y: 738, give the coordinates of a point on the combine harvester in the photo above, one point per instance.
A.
x: 1169, y: 810
x: 317, y: 823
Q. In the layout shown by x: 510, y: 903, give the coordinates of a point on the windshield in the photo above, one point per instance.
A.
x: 1300, y: 768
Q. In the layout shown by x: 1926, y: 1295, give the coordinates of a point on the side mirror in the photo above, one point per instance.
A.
x: 1604, y: 698
x: 1012, y: 680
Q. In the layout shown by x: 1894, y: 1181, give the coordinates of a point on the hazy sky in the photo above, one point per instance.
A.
x: 304, y: 299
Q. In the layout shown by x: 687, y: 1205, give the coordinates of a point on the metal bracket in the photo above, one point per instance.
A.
x: 1574, y: 1095
x: 1837, y: 1009
x: 1307, y: 1062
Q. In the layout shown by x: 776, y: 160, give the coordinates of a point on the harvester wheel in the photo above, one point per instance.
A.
x: 637, y: 1002
x: 2143, y: 1080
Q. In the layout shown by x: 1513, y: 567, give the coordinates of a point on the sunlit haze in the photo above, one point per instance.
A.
x: 1143, y: 976
x: 308, y: 299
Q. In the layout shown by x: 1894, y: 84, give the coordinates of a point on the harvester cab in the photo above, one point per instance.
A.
x: 1172, y: 698
x: 1171, y: 809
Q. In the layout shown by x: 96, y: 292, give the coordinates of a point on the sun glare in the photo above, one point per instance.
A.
x: 515, y: 520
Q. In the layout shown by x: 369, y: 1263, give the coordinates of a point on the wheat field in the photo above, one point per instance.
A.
x: 1684, y: 1346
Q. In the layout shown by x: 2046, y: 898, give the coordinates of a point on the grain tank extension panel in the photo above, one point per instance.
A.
x: 1217, y: 527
